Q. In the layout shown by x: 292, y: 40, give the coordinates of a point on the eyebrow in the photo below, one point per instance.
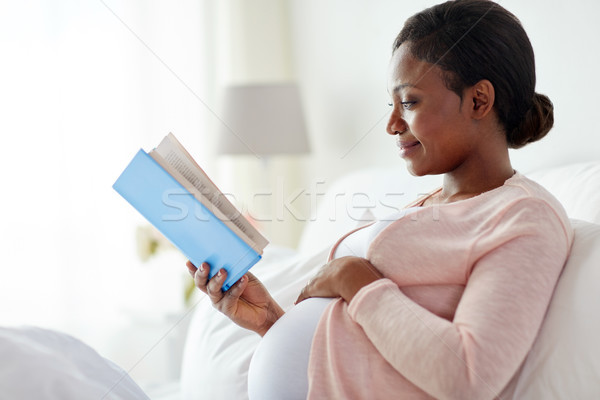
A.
x: 402, y: 86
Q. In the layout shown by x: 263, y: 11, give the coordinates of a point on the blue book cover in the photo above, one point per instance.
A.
x: 184, y: 220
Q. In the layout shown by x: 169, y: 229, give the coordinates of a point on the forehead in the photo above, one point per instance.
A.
x: 406, y: 71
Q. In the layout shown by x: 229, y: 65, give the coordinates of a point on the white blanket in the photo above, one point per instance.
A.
x: 43, y: 364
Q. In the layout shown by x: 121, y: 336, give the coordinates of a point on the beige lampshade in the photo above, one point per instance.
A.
x: 262, y: 119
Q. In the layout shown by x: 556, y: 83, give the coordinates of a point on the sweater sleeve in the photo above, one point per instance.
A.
x: 496, y: 321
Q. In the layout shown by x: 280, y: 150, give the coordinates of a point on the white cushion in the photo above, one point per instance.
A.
x: 565, y: 360
x: 44, y: 364
x: 360, y: 197
x: 576, y: 186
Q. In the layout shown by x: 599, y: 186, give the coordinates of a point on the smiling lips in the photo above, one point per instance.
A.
x: 407, y: 146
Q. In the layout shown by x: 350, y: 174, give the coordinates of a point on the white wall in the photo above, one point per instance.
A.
x: 84, y: 85
x: 341, y: 49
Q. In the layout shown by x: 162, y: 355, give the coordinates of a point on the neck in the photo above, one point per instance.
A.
x: 476, y: 177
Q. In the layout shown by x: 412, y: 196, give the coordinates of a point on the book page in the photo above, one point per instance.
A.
x: 199, y: 192
x: 183, y: 168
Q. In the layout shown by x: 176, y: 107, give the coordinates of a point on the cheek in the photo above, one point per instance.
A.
x: 426, y: 125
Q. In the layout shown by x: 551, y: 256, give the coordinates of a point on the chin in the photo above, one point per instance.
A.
x: 414, y: 171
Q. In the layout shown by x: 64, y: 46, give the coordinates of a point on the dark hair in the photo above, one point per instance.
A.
x: 473, y: 40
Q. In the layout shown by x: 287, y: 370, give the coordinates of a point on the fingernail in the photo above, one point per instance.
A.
x: 219, y: 274
x: 201, y: 269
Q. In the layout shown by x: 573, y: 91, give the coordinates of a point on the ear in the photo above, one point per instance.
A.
x: 482, y: 96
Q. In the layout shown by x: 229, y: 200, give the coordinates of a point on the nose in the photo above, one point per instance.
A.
x: 396, y: 124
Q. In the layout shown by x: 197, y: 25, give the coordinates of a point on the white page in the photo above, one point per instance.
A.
x: 183, y: 168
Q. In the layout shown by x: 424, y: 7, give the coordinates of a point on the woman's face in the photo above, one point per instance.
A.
x: 432, y: 124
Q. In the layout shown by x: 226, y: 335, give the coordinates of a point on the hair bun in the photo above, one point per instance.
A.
x: 535, y: 124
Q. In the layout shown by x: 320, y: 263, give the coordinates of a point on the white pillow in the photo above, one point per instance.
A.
x: 565, y: 360
x: 360, y: 197
x: 44, y: 364
x: 576, y: 186
x: 380, y: 191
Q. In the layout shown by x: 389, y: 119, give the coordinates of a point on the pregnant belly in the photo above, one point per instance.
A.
x: 279, y: 365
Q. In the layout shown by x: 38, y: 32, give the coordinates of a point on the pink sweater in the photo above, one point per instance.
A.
x: 466, y: 288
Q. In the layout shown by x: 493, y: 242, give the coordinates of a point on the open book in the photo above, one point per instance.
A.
x: 174, y: 194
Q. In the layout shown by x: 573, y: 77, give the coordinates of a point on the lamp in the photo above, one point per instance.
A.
x: 262, y: 119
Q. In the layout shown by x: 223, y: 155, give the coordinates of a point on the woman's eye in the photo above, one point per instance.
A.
x: 407, y: 104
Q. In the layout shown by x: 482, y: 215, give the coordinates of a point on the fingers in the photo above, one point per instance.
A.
x: 214, y: 285
x: 200, y: 275
x: 301, y: 297
x: 191, y: 268
x: 237, y: 289
x: 305, y: 292
x: 225, y: 302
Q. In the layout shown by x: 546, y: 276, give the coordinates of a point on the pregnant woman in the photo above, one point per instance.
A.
x: 445, y: 299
